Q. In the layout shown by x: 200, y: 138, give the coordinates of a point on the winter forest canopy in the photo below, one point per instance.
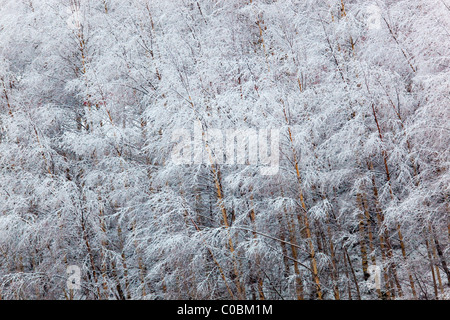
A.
x: 91, y: 92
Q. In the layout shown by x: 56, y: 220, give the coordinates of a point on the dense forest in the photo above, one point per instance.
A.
x: 351, y: 96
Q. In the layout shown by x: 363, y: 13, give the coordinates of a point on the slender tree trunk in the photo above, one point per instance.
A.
x: 436, y: 294
x: 304, y: 215
x: 259, y: 278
